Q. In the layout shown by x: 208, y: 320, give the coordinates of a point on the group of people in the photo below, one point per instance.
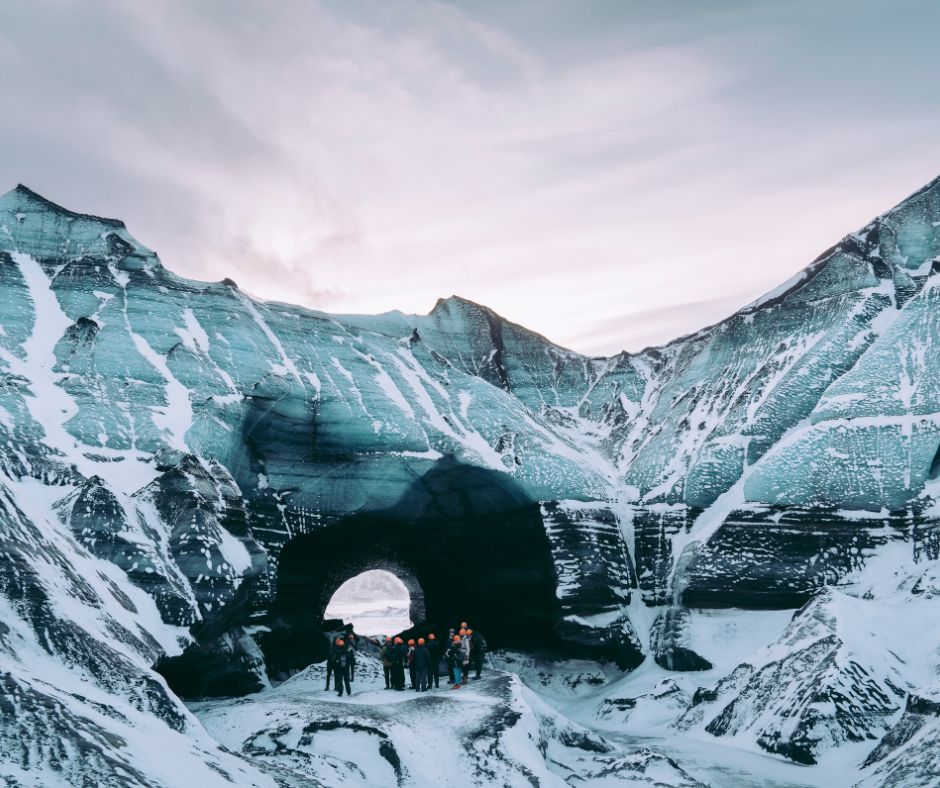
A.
x: 463, y: 651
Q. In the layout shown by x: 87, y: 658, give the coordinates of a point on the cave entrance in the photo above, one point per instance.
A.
x: 375, y: 602
x: 467, y: 542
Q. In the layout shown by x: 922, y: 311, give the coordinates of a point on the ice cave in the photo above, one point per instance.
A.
x: 716, y: 554
x: 466, y: 542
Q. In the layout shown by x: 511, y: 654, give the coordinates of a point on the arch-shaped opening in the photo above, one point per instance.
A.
x: 467, y: 542
x: 375, y: 602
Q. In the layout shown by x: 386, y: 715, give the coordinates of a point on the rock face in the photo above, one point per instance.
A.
x: 669, y: 641
x: 232, y: 462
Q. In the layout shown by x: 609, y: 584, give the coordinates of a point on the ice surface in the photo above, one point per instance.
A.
x: 164, y: 439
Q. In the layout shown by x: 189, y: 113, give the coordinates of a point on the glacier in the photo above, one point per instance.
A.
x: 189, y: 473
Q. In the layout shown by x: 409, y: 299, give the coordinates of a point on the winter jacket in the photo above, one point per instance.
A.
x: 411, y: 654
x: 455, y: 655
x: 385, y: 654
x: 477, y: 643
x: 465, y: 648
x: 422, y: 658
x: 435, y: 650
x: 398, y: 654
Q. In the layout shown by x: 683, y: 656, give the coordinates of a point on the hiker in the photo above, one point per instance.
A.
x: 331, y: 652
x: 455, y: 660
x: 477, y: 650
x: 398, y: 664
x: 422, y: 660
x: 341, y: 668
x: 412, y: 668
x: 351, y: 656
x: 435, y: 652
x: 465, y: 650
x: 450, y: 670
x: 385, y: 654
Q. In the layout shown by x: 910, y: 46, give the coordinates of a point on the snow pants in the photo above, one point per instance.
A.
x: 422, y: 679
x: 329, y: 672
x: 434, y: 680
x: 341, y: 674
x: 388, y: 675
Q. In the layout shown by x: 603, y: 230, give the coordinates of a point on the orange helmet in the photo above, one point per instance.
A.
x: 431, y: 636
x: 456, y: 638
x: 340, y: 642
x: 463, y: 624
x: 388, y: 638
x: 469, y: 631
x: 420, y: 641
x: 411, y: 642
x: 398, y: 640
x: 462, y: 632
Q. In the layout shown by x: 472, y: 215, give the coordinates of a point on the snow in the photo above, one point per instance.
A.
x: 388, y: 387
x: 820, y: 403
x: 374, y: 618
x: 252, y: 310
x: 234, y: 552
x: 177, y: 417
x: 49, y: 404
x: 196, y: 340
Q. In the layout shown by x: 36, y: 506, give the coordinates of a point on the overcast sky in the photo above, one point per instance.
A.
x: 609, y: 173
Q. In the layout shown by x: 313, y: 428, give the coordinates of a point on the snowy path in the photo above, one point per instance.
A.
x: 491, y: 732
x: 448, y: 737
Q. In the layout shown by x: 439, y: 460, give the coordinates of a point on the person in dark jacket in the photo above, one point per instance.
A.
x: 385, y: 654
x: 341, y: 668
x: 398, y: 664
x: 412, y: 669
x: 351, y: 655
x: 455, y: 660
x: 446, y: 644
x: 422, y: 662
x: 477, y: 650
x: 329, y: 662
x: 435, y: 652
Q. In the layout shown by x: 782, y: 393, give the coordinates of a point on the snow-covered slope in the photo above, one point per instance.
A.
x: 491, y: 732
x: 188, y: 474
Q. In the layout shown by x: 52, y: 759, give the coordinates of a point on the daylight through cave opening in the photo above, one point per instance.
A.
x: 374, y: 602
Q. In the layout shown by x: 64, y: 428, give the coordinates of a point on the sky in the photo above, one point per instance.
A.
x: 612, y: 174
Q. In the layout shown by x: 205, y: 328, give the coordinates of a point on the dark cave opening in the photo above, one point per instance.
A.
x: 468, y: 543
